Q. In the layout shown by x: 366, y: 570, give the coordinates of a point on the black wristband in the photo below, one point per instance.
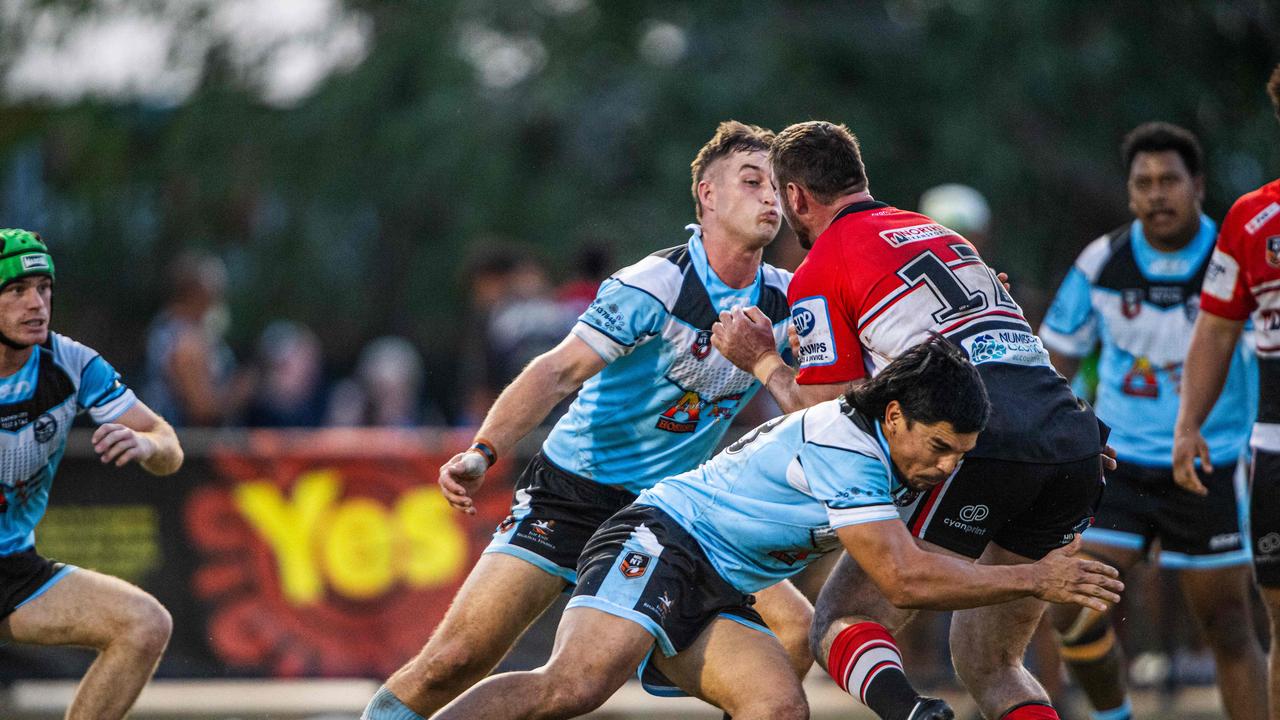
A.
x: 485, y: 449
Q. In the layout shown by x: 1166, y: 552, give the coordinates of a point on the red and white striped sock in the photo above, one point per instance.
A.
x: 865, y: 662
x: 1031, y: 711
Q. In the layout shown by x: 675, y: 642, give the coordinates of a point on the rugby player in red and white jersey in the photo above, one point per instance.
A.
x: 1243, y: 279
x: 878, y: 280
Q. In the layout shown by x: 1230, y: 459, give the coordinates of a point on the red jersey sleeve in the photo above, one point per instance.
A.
x: 1225, y: 292
x: 820, y: 311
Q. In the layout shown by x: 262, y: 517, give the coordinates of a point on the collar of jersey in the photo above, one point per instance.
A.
x: 716, y: 288
x: 1177, y: 265
x: 12, y: 389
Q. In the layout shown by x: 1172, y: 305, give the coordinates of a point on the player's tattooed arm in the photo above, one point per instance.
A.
x: 521, y: 407
x: 745, y: 337
x: 1203, y: 375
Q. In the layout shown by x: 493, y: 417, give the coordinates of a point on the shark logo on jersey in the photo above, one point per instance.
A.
x: 44, y: 428
x: 1273, y: 251
x: 1131, y: 302
x: 701, y: 345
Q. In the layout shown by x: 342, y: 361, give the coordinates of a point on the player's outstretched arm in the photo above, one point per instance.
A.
x: 520, y: 408
x: 142, y: 436
x: 1203, y: 374
x: 745, y: 338
x: 914, y: 578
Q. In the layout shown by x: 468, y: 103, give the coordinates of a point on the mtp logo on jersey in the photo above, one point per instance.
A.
x: 813, y: 325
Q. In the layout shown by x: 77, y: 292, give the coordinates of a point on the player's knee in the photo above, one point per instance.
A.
x: 1087, y: 638
x: 1226, y: 627
x: 451, y: 665
x: 565, y: 696
x: 148, y: 625
x: 777, y: 704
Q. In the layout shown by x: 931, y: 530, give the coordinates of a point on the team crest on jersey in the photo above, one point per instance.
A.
x: 44, y: 428
x: 1273, y: 251
x: 1131, y: 302
x: 701, y: 344
x: 1192, y: 308
x: 634, y: 564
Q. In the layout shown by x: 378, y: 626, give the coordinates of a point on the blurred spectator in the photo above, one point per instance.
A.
x: 289, y: 391
x: 386, y: 389
x: 191, y: 378
x: 591, y: 264
x: 962, y: 209
x: 513, y: 306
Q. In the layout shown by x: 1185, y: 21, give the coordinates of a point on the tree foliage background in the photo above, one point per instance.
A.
x: 559, y: 121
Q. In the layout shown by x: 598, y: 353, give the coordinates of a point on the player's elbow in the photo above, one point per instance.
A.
x: 898, y: 587
x: 556, y: 372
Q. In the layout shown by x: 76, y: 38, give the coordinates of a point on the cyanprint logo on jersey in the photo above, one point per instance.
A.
x: 701, y: 345
x: 1131, y: 302
x: 1273, y: 251
x: 634, y: 564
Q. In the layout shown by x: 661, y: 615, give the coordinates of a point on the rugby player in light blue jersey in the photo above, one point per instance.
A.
x: 46, y: 380
x: 675, y: 570
x: 655, y: 400
x: 1136, y: 292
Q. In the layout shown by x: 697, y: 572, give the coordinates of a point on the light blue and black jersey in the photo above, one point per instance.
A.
x: 769, y: 504
x: 1140, y: 304
x: 38, y: 403
x: 666, y: 398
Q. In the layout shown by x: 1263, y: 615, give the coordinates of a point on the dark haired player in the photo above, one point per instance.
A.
x: 674, y: 571
x: 1135, y: 290
x: 1243, y: 280
x: 878, y: 280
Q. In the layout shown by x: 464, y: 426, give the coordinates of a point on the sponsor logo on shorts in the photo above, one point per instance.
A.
x: 1268, y: 544
x: 539, y: 531
x: 44, y: 428
x: 1273, y: 251
x: 964, y: 527
x: 974, y: 513
x: 634, y: 565
x: 508, y: 523
x: 898, y: 237
x: 1268, y: 212
x: 1225, y: 541
x: 701, y: 347
x: 1016, y: 347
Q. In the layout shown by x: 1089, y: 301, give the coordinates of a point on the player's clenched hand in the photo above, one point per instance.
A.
x: 1003, y: 277
x: 744, y: 337
x: 1187, y: 446
x: 120, y: 444
x: 1064, y: 578
x: 1108, y: 458
x: 461, y: 477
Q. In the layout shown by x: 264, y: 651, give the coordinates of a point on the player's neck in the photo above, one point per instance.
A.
x: 12, y: 360
x: 734, y: 262
x: 824, y: 215
x: 1174, y: 243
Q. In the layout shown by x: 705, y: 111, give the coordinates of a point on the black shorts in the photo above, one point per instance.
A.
x: 1142, y: 504
x: 1026, y: 508
x: 1264, y: 517
x: 25, y: 576
x: 553, y: 515
x: 658, y: 577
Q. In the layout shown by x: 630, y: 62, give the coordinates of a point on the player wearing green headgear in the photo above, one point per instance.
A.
x: 46, y: 380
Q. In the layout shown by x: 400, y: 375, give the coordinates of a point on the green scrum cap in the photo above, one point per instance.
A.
x: 23, y: 253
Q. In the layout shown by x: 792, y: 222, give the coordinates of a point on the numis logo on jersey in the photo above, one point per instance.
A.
x: 634, y: 564
x: 1131, y: 302
x: 1273, y: 251
x: 701, y: 345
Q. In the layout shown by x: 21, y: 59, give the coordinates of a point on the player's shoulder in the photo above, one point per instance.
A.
x: 69, y: 353
x: 832, y: 424
x: 1101, y: 250
x: 659, y: 275
x: 1255, y: 212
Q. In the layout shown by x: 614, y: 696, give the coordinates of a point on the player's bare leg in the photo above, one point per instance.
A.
x: 500, y: 598
x: 1219, y: 601
x: 987, y: 646
x: 127, y: 627
x: 729, y: 664
x: 1271, y: 598
x: 595, y: 653
x: 1088, y: 641
x: 789, y: 615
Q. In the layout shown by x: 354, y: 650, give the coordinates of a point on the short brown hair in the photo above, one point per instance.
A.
x: 822, y: 157
x: 1273, y: 89
x: 731, y: 137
